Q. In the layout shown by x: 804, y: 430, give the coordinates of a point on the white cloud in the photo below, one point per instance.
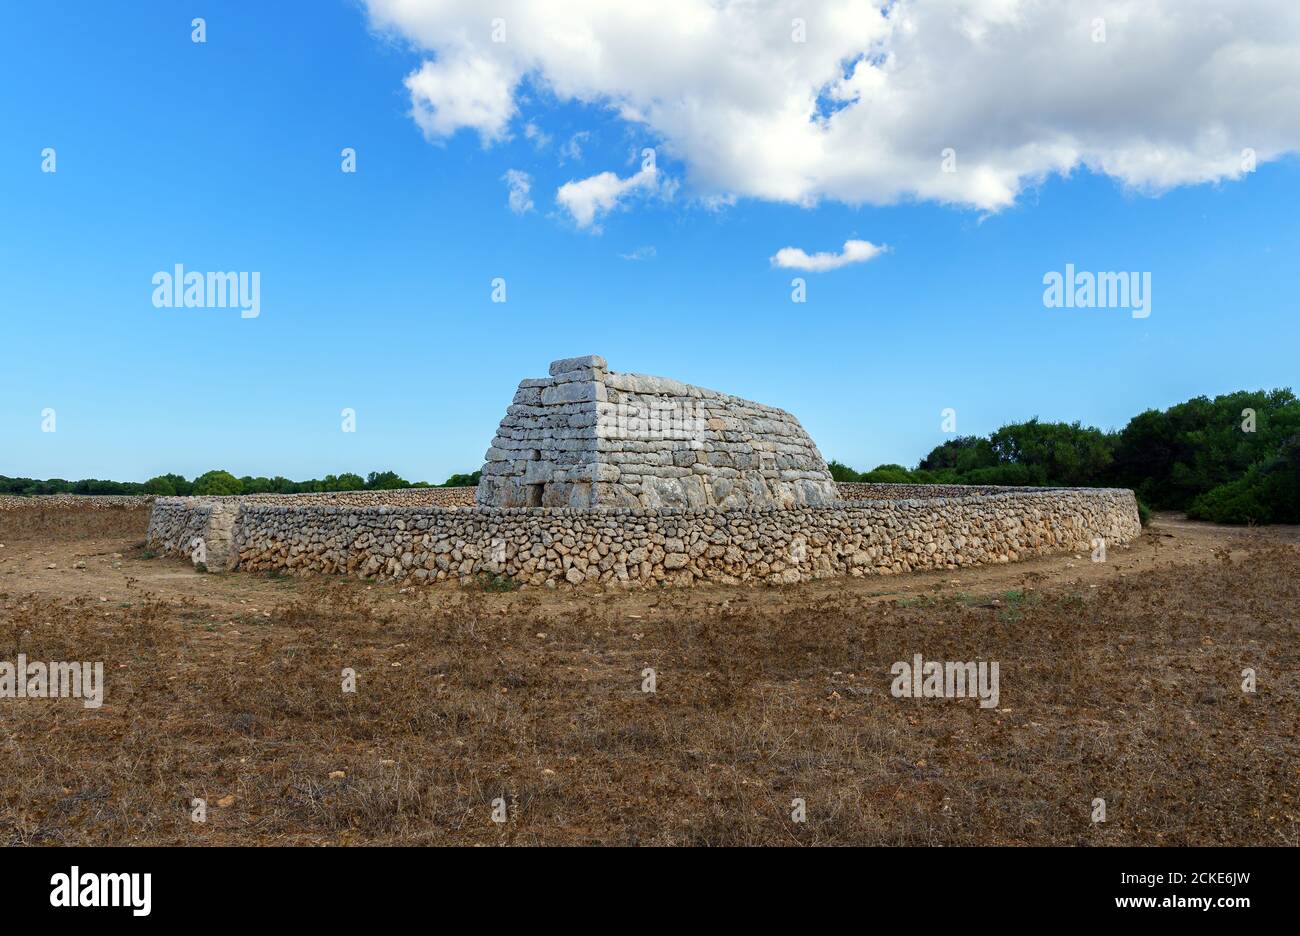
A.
x: 641, y: 253
x: 855, y: 251
x: 573, y: 149
x: 456, y: 92
x: 520, y: 184
x: 535, y: 133
x: 861, y: 111
x: 587, y: 199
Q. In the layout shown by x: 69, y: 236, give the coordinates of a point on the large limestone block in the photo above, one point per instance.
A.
x: 564, y: 365
x: 576, y: 391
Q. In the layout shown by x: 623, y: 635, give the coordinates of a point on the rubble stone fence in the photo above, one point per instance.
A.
x: 883, y: 529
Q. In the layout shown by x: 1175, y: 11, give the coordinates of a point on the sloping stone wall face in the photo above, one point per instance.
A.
x: 588, y: 437
x: 545, y: 547
x: 176, y: 522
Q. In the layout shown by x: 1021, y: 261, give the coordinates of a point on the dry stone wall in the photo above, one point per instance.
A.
x: 589, y: 437
x: 59, y: 501
x: 670, y: 546
x: 178, y: 524
x: 401, y: 497
x: 854, y: 490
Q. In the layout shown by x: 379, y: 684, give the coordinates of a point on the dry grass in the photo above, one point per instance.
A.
x: 1128, y: 691
x: 63, y: 524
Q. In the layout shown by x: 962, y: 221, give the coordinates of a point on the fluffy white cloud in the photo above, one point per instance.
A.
x: 587, y: 199
x: 462, y: 91
x: 855, y: 251
x: 862, y: 110
x: 520, y: 184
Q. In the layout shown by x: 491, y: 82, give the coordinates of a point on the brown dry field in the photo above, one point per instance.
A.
x: 1119, y: 680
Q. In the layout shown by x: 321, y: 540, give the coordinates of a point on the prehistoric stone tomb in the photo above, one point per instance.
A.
x: 670, y: 485
x: 589, y: 437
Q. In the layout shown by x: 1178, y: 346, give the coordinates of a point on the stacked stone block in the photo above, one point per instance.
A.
x: 588, y: 437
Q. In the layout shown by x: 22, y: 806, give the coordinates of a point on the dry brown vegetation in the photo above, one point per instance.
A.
x: 1119, y: 681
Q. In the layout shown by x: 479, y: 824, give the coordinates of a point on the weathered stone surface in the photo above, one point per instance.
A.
x: 590, y: 361
x: 574, y: 391
x: 644, y: 441
x: 877, y: 530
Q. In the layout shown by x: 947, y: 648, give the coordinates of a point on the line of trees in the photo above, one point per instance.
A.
x: 223, y: 482
x: 1231, y: 459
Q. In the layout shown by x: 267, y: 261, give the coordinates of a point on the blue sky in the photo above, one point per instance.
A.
x: 376, y: 286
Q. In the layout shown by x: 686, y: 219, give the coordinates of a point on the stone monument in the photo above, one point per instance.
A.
x: 589, y: 437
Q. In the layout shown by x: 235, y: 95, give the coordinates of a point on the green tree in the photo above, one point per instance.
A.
x: 963, y: 453
x: 463, y: 480
x: 1170, y: 458
x: 1065, y: 454
x: 1269, y: 492
x: 217, y: 483
x: 887, y: 474
x: 385, y: 481
x: 348, y: 481
x: 163, y: 485
x: 841, y: 472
